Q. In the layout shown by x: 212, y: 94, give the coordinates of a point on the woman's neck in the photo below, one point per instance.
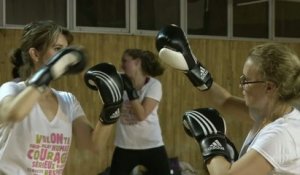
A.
x: 280, y: 110
x: 270, y: 113
x: 139, y: 81
x: 47, y: 94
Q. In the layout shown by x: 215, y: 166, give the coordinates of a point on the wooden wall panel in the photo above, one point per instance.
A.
x: 223, y: 58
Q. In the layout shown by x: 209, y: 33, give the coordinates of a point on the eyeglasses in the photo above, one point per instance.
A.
x: 243, y: 81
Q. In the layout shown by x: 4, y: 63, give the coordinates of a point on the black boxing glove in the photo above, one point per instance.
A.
x: 128, y: 86
x: 70, y: 60
x: 174, y: 49
x: 106, y: 80
x: 208, y: 128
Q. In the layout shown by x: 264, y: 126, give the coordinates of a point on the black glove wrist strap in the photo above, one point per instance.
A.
x: 132, y: 95
x: 214, y: 145
x: 200, y: 77
x: 110, y: 113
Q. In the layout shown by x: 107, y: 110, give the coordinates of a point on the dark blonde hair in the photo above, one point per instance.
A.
x: 281, y: 65
x: 150, y: 63
x: 39, y: 35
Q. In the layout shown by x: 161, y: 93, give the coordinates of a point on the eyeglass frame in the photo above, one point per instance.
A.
x: 243, y: 81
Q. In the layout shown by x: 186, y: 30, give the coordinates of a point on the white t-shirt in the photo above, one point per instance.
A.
x: 134, y: 134
x: 36, y: 145
x: 279, y: 143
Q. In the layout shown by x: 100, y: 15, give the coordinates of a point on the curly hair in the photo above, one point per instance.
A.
x: 281, y: 65
x: 150, y: 62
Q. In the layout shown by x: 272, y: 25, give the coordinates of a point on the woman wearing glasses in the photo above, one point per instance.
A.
x: 271, y: 85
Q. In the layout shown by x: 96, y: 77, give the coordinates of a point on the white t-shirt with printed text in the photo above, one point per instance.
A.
x: 36, y: 145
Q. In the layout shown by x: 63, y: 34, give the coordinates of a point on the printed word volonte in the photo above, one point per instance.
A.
x: 54, y: 138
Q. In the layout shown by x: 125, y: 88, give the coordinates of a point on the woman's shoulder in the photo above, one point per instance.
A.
x: 11, y: 88
x: 15, y: 84
x: 65, y: 95
x: 285, y: 127
x: 153, y: 83
x: 153, y: 80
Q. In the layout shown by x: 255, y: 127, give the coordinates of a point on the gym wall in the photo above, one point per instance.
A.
x: 223, y: 58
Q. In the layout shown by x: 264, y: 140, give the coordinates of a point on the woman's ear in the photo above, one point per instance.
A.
x: 34, y: 54
x: 270, y: 86
x: 138, y: 62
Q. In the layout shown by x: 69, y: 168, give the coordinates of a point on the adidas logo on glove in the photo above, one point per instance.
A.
x: 116, y: 114
x: 203, y: 73
x: 215, y: 145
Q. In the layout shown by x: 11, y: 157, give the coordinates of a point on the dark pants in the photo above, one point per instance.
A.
x: 155, y: 160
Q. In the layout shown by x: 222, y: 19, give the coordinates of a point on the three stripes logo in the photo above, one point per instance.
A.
x: 111, y: 84
x: 116, y: 114
x: 202, y: 122
x: 215, y: 145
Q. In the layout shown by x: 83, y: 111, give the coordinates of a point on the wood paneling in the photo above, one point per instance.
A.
x: 223, y: 58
